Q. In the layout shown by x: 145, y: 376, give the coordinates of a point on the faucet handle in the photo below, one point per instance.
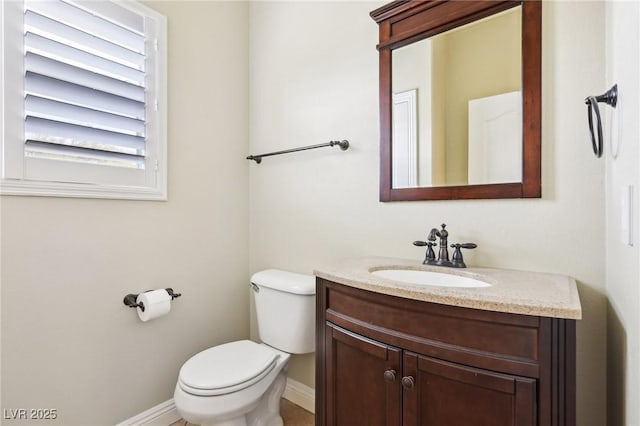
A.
x: 430, y: 256
x: 464, y: 245
x: 456, y: 259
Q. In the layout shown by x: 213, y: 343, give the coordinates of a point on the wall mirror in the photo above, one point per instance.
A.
x: 459, y: 99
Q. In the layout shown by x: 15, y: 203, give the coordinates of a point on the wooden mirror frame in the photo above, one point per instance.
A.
x: 403, y: 22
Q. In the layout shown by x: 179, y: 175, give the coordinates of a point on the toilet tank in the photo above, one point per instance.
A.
x: 285, y: 309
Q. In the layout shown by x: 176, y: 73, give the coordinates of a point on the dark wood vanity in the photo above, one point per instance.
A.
x: 392, y: 361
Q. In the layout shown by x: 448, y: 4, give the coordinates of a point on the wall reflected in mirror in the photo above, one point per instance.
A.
x: 457, y: 106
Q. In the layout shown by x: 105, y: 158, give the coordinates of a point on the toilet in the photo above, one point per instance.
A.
x: 241, y: 383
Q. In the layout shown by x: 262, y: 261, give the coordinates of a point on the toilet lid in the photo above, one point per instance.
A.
x: 227, y: 368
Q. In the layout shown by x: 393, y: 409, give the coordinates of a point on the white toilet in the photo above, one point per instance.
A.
x: 241, y: 383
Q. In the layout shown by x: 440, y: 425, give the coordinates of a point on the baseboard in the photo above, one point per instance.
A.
x: 300, y: 394
x: 161, y: 415
x: 165, y: 414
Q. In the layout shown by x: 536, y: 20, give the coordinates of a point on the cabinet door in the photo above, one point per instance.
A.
x: 440, y: 393
x: 362, y: 380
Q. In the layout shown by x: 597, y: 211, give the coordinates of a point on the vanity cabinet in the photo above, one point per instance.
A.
x: 390, y: 361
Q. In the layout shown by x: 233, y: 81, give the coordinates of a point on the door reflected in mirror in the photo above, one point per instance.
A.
x: 457, y: 106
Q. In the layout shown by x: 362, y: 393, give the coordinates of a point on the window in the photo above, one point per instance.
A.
x: 83, y: 99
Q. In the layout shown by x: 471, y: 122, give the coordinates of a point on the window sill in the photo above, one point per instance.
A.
x: 79, y: 190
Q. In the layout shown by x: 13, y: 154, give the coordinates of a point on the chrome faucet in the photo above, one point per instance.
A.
x: 443, y: 253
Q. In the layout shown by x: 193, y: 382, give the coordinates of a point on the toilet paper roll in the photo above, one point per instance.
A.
x: 156, y: 304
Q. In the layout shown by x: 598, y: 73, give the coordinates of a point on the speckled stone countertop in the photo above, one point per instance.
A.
x: 517, y: 292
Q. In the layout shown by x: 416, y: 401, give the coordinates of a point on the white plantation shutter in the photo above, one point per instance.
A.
x: 90, y: 95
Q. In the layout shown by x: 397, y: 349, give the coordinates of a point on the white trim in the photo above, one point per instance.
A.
x: 300, y: 394
x: 140, y: 9
x: 161, y: 415
x: 79, y: 190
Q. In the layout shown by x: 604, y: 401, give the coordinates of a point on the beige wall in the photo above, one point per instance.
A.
x: 315, y: 78
x: 438, y: 116
x: 623, y: 261
x: 68, y: 342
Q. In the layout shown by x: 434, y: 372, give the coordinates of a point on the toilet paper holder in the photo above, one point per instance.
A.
x: 130, y: 299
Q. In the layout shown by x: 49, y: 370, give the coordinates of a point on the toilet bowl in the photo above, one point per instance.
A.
x: 221, y: 385
x: 241, y: 383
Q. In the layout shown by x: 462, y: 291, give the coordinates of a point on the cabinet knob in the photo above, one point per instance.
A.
x: 407, y: 382
x: 390, y: 375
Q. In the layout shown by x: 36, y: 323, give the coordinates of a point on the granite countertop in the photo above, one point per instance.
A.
x: 517, y: 292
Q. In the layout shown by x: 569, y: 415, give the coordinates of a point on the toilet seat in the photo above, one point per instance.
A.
x: 226, y: 368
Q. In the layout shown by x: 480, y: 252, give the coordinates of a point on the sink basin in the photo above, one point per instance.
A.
x: 429, y: 278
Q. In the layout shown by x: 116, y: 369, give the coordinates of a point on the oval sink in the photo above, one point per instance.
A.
x: 429, y: 278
